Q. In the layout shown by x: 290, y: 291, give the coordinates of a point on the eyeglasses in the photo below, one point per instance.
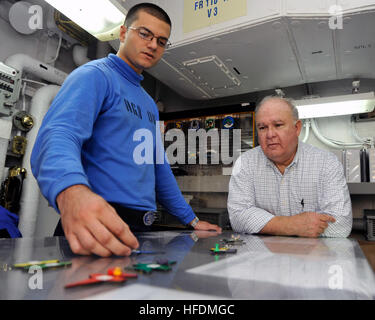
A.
x: 146, y: 34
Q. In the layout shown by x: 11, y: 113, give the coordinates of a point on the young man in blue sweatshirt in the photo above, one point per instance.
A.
x: 84, y: 157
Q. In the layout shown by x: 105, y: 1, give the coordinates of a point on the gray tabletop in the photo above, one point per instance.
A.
x: 264, y: 267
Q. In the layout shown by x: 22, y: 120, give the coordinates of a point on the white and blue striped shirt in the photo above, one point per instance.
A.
x: 314, y: 181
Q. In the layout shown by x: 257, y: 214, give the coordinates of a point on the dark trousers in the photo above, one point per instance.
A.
x: 133, y: 218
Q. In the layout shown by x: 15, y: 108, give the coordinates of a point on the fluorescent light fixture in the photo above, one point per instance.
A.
x: 101, y: 18
x: 335, y: 106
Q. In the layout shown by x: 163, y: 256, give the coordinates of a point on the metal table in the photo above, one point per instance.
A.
x: 265, y: 267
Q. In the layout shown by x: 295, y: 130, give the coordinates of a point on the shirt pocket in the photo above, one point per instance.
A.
x: 304, y: 199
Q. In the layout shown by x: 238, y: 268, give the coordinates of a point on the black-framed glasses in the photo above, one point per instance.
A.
x: 146, y: 34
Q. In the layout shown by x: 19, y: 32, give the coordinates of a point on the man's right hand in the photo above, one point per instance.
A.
x: 92, y: 226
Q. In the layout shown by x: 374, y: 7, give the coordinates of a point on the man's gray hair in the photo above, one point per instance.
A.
x: 287, y: 101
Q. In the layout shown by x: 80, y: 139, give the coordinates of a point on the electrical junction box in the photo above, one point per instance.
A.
x: 371, y: 158
x: 352, y: 165
x: 369, y: 216
x: 10, y: 87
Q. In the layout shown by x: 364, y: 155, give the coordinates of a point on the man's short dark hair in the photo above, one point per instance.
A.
x: 150, y: 8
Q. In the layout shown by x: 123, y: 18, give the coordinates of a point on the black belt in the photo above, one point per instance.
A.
x: 136, y: 219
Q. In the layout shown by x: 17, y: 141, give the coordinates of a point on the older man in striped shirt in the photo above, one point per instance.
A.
x: 287, y: 187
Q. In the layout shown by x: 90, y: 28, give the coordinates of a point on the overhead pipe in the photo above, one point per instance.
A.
x: 5, y: 135
x: 354, y: 131
x: 30, y: 191
x: 24, y: 63
x: 306, y: 124
x: 39, y: 105
x: 80, y: 55
x: 321, y: 138
x: 331, y: 143
x: 365, y: 141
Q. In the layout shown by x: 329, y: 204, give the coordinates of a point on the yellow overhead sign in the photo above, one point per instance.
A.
x: 199, y: 14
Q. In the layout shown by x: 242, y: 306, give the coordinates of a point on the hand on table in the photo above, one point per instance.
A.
x: 204, y: 225
x: 92, y: 226
x: 310, y: 224
x: 203, y: 234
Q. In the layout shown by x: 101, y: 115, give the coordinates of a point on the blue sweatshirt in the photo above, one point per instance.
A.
x: 101, y: 131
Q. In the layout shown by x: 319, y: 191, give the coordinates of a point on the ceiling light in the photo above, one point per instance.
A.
x: 335, y: 106
x: 101, y: 18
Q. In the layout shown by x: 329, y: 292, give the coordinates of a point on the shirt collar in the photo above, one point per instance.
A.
x: 295, y: 159
x: 125, y: 69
